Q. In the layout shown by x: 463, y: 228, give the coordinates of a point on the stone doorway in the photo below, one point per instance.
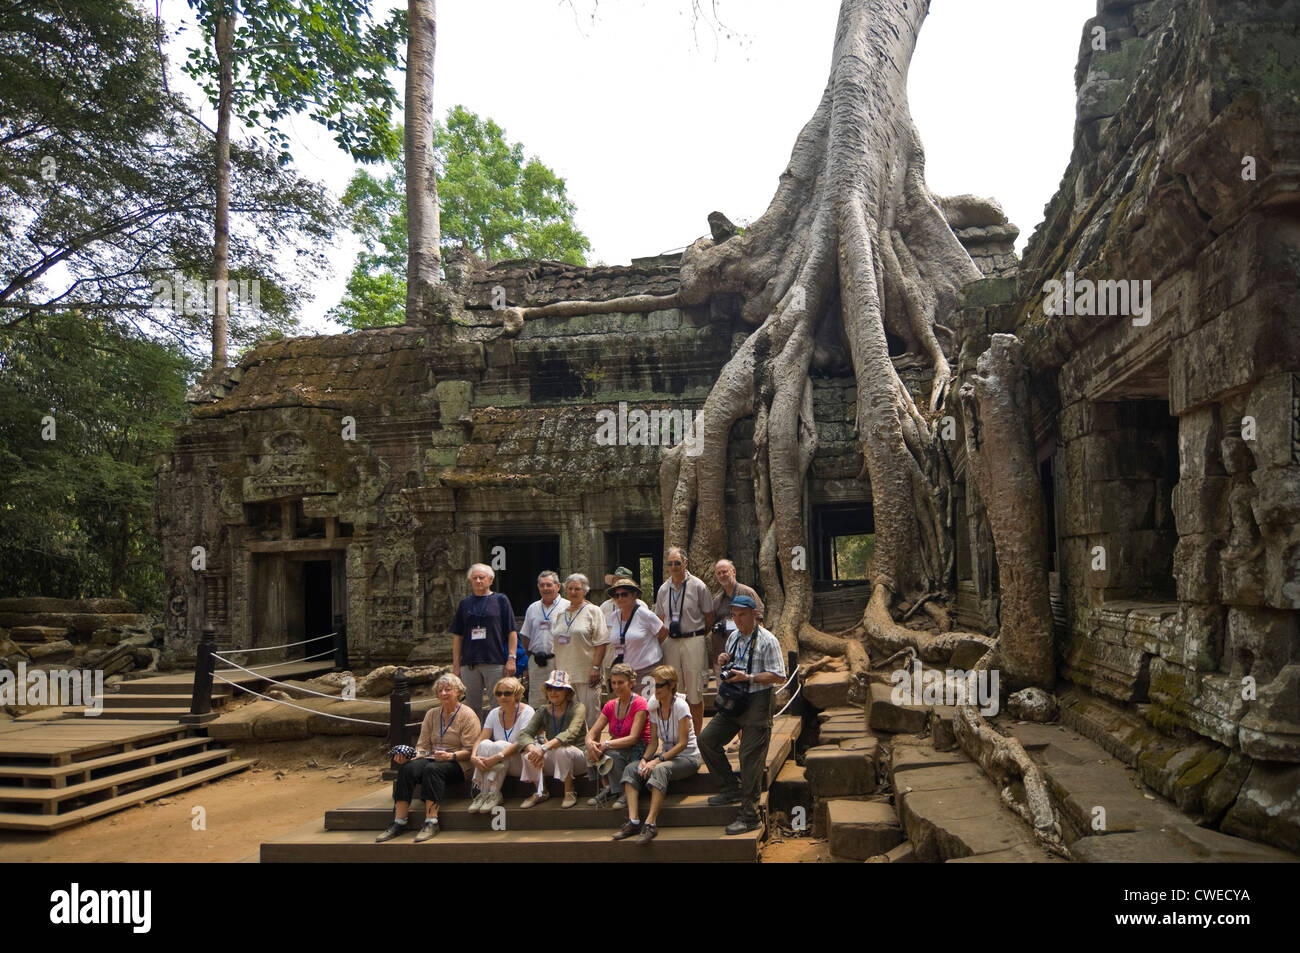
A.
x: 644, y: 554
x: 522, y: 558
x: 318, y: 615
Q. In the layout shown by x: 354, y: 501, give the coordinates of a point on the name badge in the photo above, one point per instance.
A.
x: 563, y: 639
x: 477, y: 633
x: 544, y: 626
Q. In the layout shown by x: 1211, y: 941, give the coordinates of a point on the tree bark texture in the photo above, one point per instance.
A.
x: 224, y: 37
x: 852, y: 235
x: 423, y: 225
x: 1000, y: 453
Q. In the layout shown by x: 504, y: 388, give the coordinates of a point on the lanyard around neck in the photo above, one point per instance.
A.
x: 442, y: 729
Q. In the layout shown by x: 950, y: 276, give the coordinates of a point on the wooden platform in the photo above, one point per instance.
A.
x: 690, y: 829
x: 57, y: 774
x: 167, y: 697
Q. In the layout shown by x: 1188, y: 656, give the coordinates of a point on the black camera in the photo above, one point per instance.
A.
x: 543, y: 658
x: 720, y: 627
x: 675, y: 628
x: 727, y: 672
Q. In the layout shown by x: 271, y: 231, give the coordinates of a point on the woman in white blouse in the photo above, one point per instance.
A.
x: 581, y: 638
x: 496, y: 752
x: 671, y: 754
x: 634, y: 631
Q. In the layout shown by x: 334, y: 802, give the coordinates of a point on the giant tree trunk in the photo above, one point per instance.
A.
x: 1000, y: 452
x: 224, y: 37
x: 423, y: 226
x: 853, y: 235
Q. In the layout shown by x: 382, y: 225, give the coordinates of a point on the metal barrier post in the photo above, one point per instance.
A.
x: 399, y: 716
x: 340, y: 642
x: 204, y: 664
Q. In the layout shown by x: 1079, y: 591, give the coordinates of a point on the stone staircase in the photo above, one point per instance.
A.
x: 55, y: 775
x: 690, y: 830
x: 888, y: 783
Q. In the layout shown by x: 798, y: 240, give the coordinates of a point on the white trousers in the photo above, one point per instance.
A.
x: 559, y: 763
x: 492, y: 780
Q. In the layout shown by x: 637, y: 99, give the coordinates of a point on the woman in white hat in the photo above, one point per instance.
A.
x: 551, y: 739
x: 634, y: 631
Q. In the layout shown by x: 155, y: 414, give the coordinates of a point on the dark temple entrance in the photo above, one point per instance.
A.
x: 317, y: 609
x: 521, y: 558
x: 644, y: 555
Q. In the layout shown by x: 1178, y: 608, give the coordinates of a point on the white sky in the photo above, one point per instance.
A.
x: 653, y: 126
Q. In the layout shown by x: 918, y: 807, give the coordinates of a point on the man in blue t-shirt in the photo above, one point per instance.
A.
x: 484, y: 638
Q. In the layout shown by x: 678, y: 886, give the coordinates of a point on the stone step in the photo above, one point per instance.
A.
x: 884, y: 715
x: 1177, y: 844
x: 826, y: 690
x: 673, y: 845
x: 791, y: 790
x: 861, y: 829
x: 833, y: 770
x: 949, y: 809
x: 374, y: 811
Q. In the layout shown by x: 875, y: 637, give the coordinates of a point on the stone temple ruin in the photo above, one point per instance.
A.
x: 360, y: 474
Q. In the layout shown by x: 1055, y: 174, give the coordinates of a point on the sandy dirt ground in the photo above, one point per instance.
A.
x: 292, y: 784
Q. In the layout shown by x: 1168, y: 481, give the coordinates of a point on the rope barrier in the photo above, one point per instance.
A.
x: 287, y: 645
x: 296, y: 688
x: 310, y: 711
x: 790, y: 701
x: 274, y: 664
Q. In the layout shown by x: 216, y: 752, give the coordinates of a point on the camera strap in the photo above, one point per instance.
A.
x: 749, y: 652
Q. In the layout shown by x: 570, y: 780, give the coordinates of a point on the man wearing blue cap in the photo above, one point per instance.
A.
x: 751, y: 664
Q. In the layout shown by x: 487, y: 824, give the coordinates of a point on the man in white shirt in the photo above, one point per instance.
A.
x: 685, y: 605
x: 536, y: 633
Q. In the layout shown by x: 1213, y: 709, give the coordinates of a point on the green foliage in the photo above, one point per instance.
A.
x: 851, y: 556
x: 107, y: 185
x: 76, y: 511
x: 326, y: 58
x: 493, y: 200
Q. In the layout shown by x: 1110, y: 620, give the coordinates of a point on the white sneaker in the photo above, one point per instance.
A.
x: 490, y: 802
x: 476, y: 805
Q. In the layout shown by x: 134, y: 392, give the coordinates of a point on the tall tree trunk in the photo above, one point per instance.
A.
x: 423, y: 228
x: 224, y: 42
x: 854, y: 235
x: 1000, y: 451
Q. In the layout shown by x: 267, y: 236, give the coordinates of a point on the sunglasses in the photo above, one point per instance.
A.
x: 662, y: 684
x: 505, y: 694
x: 621, y: 593
x: 674, y: 562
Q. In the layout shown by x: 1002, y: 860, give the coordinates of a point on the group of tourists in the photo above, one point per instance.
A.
x: 633, y: 741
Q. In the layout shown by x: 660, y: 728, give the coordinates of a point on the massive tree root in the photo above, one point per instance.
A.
x: 854, y: 238
x: 852, y: 247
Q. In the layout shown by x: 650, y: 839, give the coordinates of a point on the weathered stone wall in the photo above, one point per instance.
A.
x: 462, y: 433
x: 1173, y: 433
